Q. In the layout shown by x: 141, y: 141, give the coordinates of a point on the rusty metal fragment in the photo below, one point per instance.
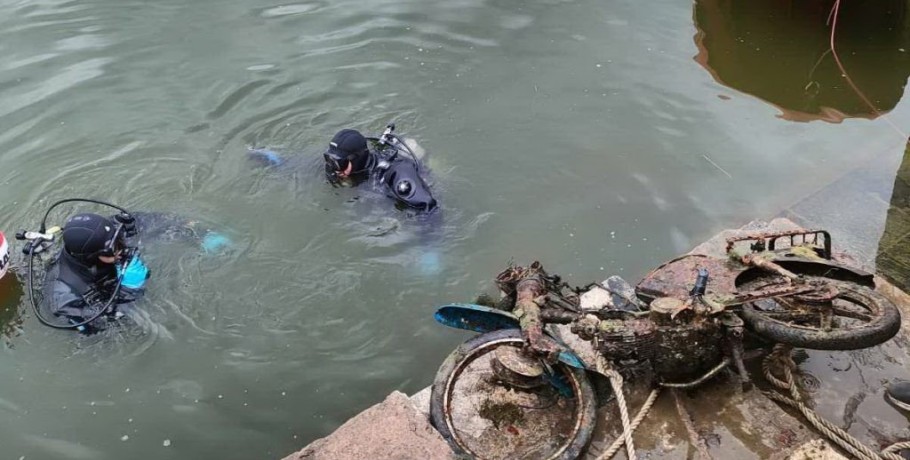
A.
x: 763, y: 241
x: 676, y: 277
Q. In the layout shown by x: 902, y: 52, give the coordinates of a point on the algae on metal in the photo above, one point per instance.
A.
x: 501, y: 414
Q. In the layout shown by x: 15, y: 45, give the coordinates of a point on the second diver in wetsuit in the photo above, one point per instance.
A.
x: 390, y: 163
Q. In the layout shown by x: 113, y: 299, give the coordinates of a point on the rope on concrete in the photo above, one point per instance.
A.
x: 893, y: 449
x: 616, y: 383
x: 782, y: 358
x: 628, y: 427
x: 618, y: 443
x: 686, y: 418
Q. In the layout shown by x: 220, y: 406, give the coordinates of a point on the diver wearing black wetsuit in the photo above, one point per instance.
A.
x: 99, y: 265
x: 84, y: 276
x: 349, y: 160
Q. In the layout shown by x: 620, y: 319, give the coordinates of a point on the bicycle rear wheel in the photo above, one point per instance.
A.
x: 484, y: 418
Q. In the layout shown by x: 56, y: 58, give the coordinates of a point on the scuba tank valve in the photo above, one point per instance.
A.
x: 387, y: 138
x: 39, y: 241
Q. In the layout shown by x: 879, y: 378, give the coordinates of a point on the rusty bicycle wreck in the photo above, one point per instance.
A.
x: 518, y: 390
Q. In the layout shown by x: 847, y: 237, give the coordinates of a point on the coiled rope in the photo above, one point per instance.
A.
x: 780, y: 360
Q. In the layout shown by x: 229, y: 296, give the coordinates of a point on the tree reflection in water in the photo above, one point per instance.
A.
x: 778, y: 51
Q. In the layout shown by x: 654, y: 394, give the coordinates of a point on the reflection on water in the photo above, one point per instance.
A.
x: 779, y: 51
x: 10, y: 297
x: 893, y: 258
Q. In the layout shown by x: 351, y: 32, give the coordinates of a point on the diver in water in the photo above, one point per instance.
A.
x: 97, y: 269
x: 99, y: 266
x: 390, y: 164
x: 350, y: 161
x: 393, y: 166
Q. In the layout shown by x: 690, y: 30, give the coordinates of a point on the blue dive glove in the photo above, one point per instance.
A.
x: 135, y: 274
x: 269, y: 157
x: 214, y: 242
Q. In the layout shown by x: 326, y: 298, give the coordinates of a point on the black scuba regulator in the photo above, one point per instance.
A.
x: 44, y: 238
x: 389, y: 138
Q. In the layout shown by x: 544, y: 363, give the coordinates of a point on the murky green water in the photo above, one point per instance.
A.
x: 580, y: 133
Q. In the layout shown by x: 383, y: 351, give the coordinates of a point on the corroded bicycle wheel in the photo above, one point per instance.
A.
x: 840, y: 316
x: 483, y: 418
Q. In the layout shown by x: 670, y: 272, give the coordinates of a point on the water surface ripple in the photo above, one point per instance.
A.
x: 571, y: 131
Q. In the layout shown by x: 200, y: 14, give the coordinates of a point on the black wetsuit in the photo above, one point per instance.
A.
x: 388, y: 163
x: 398, y: 175
x: 75, y: 289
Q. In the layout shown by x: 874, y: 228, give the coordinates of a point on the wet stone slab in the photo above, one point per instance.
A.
x: 393, y: 429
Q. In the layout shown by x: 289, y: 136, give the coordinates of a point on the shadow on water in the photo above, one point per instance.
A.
x: 779, y: 51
